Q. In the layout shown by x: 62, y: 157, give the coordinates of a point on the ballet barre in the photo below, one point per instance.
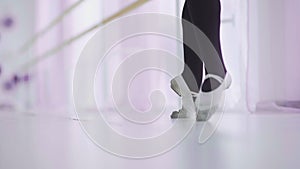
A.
x: 59, y: 47
x: 41, y: 33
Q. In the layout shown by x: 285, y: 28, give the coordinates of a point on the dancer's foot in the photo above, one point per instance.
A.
x: 182, y: 113
x: 188, y: 107
x: 208, y: 101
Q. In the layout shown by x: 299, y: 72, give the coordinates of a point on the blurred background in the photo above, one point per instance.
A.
x: 260, y: 43
x: 46, y: 86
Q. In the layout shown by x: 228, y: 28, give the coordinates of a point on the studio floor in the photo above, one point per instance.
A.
x: 242, y: 141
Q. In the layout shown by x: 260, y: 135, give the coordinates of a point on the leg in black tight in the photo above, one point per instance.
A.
x: 205, y: 15
x: 193, y: 64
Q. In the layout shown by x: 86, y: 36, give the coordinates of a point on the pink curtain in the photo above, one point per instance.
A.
x: 273, y: 78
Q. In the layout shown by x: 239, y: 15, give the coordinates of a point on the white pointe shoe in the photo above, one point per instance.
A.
x: 207, y: 103
x: 188, y: 107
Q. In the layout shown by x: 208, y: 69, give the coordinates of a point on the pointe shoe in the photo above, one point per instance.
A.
x: 175, y: 83
x: 188, y: 109
x: 207, y: 103
x: 182, y: 113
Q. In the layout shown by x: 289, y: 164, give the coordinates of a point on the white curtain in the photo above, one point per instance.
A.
x: 273, y: 78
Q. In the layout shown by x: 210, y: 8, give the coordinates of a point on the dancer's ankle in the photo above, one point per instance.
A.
x: 211, y: 84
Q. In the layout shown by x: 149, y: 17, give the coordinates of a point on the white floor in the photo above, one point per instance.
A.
x: 242, y: 141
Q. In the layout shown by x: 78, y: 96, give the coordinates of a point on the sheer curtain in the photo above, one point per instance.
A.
x: 146, y: 81
x: 53, y: 76
x: 273, y: 78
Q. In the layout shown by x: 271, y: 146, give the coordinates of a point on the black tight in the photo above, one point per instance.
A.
x: 205, y: 15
